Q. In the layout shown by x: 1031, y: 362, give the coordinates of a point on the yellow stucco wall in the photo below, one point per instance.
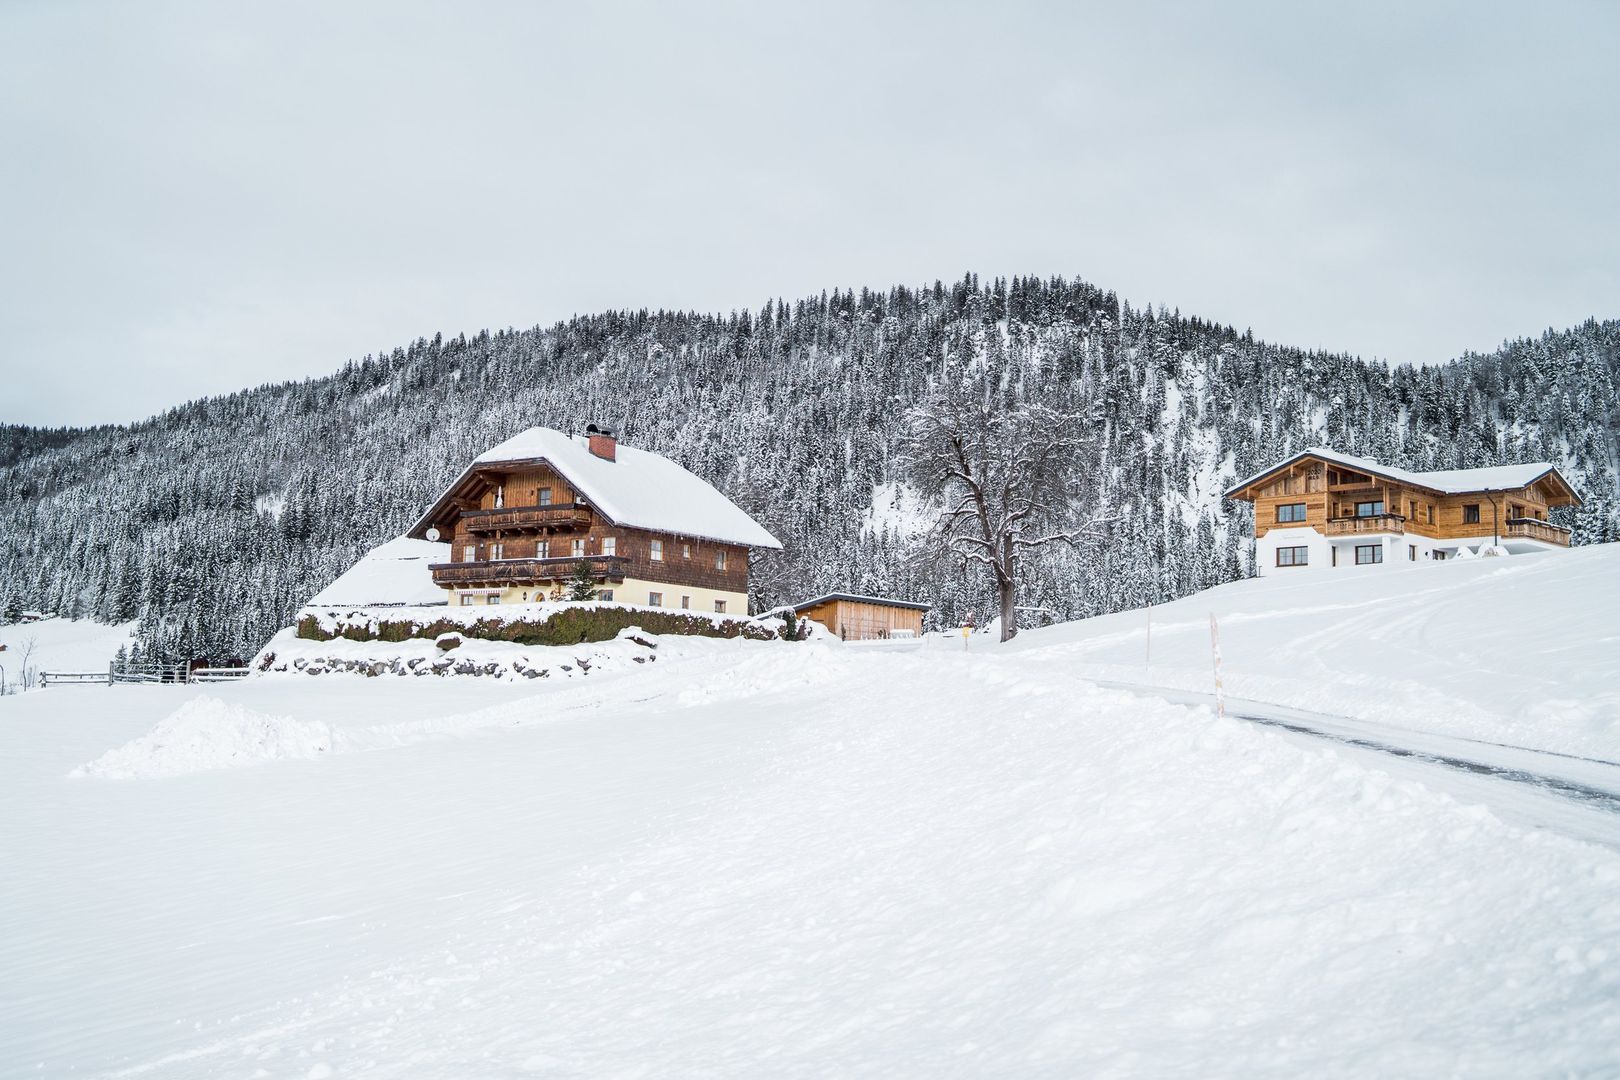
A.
x: 629, y: 591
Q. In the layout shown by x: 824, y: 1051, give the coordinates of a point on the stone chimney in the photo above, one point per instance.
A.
x: 602, y: 442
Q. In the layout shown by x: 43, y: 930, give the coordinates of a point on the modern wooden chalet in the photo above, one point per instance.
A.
x: 1324, y: 509
x: 522, y: 517
x: 864, y: 618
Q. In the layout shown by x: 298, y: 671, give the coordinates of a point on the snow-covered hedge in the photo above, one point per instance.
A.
x: 549, y: 623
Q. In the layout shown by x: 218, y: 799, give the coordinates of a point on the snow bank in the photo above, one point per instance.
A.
x: 1519, y: 650
x: 206, y: 734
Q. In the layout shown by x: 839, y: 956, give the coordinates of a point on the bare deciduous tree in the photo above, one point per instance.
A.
x: 1008, y: 479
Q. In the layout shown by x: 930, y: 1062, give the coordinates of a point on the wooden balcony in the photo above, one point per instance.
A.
x: 1372, y: 523
x: 1535, y: 529
x: 525, y: 571
x: 554, y: 517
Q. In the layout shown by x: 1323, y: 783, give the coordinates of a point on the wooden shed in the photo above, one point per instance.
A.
x: 864, y: 618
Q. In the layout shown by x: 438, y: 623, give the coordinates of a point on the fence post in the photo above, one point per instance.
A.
x: 1215, y: 653
x: 1148, y: 652
x: 110, y: 664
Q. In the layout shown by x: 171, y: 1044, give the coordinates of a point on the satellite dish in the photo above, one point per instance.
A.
x: 433, y: 533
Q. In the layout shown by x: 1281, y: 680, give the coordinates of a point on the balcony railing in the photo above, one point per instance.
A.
x: 1536, y: 529
x: 1370, y: 523
x: 526, y: 571
x: 551, y: 516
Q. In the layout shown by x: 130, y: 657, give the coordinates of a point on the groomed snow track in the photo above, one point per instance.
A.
x: 1540, y: 789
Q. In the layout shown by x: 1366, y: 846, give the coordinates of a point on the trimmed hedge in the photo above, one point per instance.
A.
x: 570, y: 626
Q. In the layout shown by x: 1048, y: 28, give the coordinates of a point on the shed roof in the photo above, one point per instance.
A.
x: 858, y: 599
x: 639, y: 489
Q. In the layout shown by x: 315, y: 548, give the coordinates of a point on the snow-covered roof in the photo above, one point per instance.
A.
x: 639, y: 489
x: 392, y: 573
x: 856, y: 598
x: 1445, y: 481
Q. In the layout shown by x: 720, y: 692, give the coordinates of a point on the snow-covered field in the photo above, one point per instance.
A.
x: 1523, y: 649
x: 61, y: 645
x: 764, y: 858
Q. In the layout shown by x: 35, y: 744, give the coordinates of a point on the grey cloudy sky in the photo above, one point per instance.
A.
x: 200, y: 197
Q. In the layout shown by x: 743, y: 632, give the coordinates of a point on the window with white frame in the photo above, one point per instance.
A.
x: 604, y: 594
x: 578, y: 548
x: 496, y: 551
x: 542, y: 549
x: 545, y: 497
x: 1367, y: 554
x: 686, y: 551
x: 469, y: 553
x: 493, y: 598
x: 610, y: 545
x: 720, y: 559
x: 655, y: 551
x: 468, y: 599
x: 500, y: 496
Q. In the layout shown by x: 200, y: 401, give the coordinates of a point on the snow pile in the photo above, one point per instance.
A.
x: 392, y: 573
x: 205, y: 734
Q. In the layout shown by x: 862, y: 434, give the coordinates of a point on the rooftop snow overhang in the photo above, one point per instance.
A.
x: 1400, y: 476
x: 467, y: 486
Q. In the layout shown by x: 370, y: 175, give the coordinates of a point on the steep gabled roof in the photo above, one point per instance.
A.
x: 639, y: 489
x: 1445, y: 481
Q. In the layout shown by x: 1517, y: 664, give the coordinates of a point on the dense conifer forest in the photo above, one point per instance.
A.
x: 213, y: 522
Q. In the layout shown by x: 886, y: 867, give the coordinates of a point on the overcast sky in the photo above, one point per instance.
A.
x: 195, y: 198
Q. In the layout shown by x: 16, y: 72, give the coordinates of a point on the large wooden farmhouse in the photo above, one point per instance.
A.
x: 1324, y: 509
x: 523, y: 515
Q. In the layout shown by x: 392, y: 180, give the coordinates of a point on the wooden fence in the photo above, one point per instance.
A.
x: 175, y: 674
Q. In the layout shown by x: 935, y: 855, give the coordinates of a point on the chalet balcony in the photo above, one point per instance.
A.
x: 1535, y: 529
x: 1370, y: 523
x: 525, y: 571
x: 556, y: 516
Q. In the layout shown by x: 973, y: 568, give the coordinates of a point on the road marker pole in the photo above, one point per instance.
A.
x: 1148, y: 652
x: 1215, y: 654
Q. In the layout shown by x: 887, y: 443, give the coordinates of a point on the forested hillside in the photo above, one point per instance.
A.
x: 213, y: 522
